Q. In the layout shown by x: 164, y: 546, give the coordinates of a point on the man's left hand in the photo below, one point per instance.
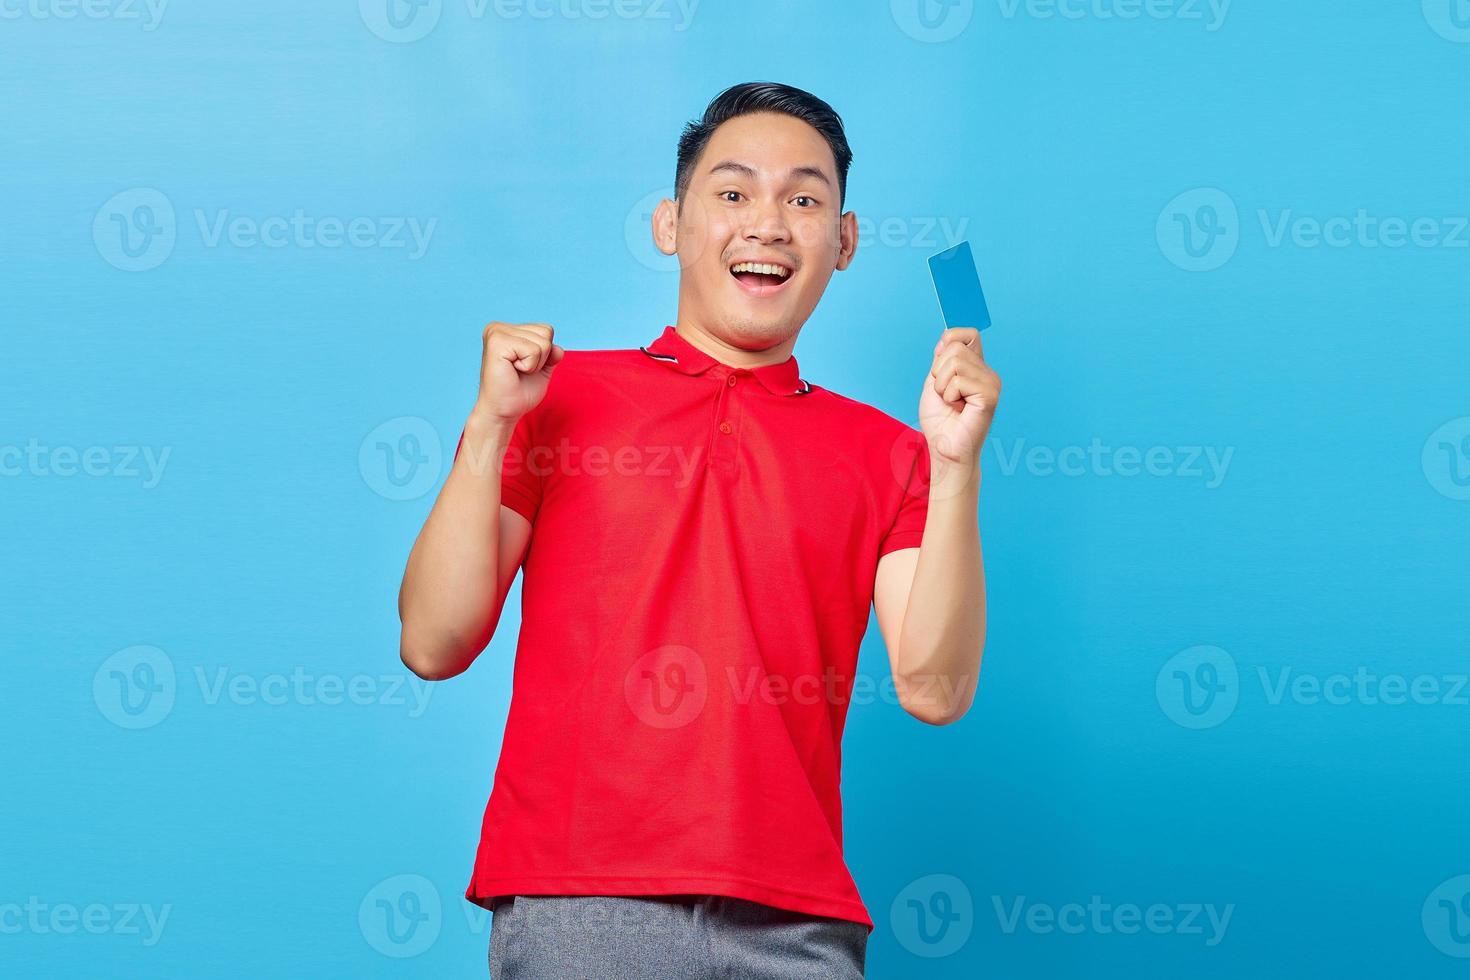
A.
x: 958, y: 400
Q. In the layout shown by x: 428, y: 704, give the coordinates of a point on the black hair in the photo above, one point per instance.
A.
x: 750, y: 97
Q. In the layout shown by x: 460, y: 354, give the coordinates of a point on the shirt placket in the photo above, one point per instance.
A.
x: 725, y: 434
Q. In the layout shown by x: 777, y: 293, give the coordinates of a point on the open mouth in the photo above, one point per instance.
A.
x: 761, y: 278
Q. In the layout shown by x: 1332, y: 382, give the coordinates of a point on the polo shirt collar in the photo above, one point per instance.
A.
x: 671, y: 349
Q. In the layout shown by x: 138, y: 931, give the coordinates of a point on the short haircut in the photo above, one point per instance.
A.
x: 751, y: 97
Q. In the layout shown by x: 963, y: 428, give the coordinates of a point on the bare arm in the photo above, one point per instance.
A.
x: 471, y: 545
x: 930, y: 600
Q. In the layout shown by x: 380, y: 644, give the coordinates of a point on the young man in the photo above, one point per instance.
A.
x: 702, y: 531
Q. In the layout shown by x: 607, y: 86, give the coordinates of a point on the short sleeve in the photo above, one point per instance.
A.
x: 520, y: 477
x: 909, y: 462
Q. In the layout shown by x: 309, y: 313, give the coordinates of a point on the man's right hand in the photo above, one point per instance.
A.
x: 515, y: 369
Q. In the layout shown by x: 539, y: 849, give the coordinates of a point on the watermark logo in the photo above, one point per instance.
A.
x: 36, y: 459
x: 1101, y: 918
x: 1207, y: 464
x: 928, y: 232
x: 1198, y: 687
x: 138, y: 687
x: 1446, y: 459
x: 1450, y: 19
x: 1199, y: 230
x: 135, y: 687
x: 149, y: 13
x: 667, y: 687
x: 300, y: 230
x: 1201, y: 687
x: 308, y: 690
x: 400, y: 21
x: 933, y: 916
x: 588, y: 10
x: 1446, y: 917
x: 401, y: 458
x: 40, y: 918
x: 135, y: 230
x: 1363, y: 686
x: 932, y: 21
x: 1211, y: 13
x: 401, y: 916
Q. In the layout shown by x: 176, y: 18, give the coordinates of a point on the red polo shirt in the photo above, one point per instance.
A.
x: 695, y: 590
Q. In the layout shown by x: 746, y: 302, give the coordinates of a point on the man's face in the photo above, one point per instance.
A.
x: 764, y: 190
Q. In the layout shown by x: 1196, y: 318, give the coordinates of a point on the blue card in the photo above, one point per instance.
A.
x: 958, y: 286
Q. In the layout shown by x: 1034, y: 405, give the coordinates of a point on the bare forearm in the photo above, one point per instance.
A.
x: 943, y: 633
x: 448, y: 600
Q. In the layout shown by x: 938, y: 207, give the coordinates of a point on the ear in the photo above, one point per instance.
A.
x: 665, y: 226
x: 848, y: 240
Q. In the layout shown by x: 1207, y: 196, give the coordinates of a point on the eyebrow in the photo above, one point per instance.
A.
x: 745, y: 170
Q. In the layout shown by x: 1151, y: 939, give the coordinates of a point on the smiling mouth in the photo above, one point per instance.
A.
x: 761, y: 278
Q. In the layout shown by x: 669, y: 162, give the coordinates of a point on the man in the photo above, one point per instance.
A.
x: 702, y: 531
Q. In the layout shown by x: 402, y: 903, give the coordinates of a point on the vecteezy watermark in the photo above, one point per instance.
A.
x: 1446, y: 917
x: 136, y: 230
x: 931, y: 233
x: 401, y: 459
x: 404, y: 21
x: 933, y: 916
x: 1209, y: 464
x: 404, y: 915
x: 40, y: 918
x: 1363, y: 230
x: 1198, y: 687
x: 1446, y: 459
x: 669, y: 686
x: 400, y: 21
x: 1450, y: 19
x: 36, y: 459
x: 679, y: 13
x: 1200, y: 230
x: 137, y: 688
x: 148, y: 13
x: 1364, y: 686
x: 567, y: 458
x: 304, y: 231
x: 401, y: 916
x: 1099, y: 918
x: 1201, y: 687
x: 1209, y: 13
x: 932, y: 21
x: 589, y: 921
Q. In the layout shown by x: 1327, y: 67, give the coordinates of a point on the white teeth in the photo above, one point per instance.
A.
x: 763, y: 267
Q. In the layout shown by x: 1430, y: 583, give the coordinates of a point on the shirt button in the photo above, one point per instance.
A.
x: 725, y: 428
x: 730, y: 381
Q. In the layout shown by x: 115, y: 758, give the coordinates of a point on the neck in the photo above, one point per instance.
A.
x: 702, y: 339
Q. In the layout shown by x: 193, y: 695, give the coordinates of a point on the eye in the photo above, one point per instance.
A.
x: 806, y: 197
x: 724, y: 194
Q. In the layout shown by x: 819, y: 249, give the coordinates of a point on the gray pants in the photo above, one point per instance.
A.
x: 668, y: 937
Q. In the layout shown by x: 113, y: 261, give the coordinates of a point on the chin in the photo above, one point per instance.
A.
x: 756, y: 333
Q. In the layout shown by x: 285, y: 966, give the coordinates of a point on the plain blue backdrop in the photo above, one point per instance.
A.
x: 248, y: 250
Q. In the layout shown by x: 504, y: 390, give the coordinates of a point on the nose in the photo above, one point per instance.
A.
x: 767, y: 223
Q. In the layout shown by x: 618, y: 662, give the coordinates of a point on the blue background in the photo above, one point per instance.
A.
x: 1092, y: 764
